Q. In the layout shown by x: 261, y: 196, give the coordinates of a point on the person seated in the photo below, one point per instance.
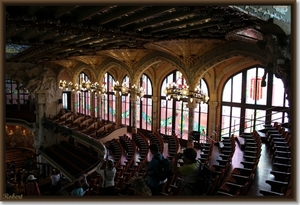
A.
x: 77, y: 189
x: 188, y: 172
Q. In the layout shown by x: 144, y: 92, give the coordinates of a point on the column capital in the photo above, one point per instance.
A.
x: 41, y: 97
x: 213, y: 103
x: 154, y: 98
x: 191, y: 105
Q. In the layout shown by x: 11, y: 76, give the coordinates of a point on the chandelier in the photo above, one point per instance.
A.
x: 84, y: 86
x: 180, y: 92
x: 125, y: 91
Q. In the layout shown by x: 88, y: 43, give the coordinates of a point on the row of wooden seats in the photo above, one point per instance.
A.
x: 206, y: 152
x: 252, y: 151
x: 129, y: 147
x: 60, y: 118
x: 73, y: 158
x: 156, y: 138
x: 74, y: 121
x: 92, y: 159
x: 91, y: 127
x: 17, y: 155
x: 63, y: 162
x: 142, y: 144
x: 220, y: 170
x: 279, y: 142
x: 85, y: 124
x: 240, y: 179
x: 116, y: 148
x: 82, y: 163
x: 173, y: 145
x: 125, y: 172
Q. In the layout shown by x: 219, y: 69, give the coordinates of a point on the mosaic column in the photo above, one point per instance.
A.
x: 92, y: 101
x: 73, y: 100
x: 118, y: 110
x: 133, y: 100
x: 155, y: 125
x: 191, y: 106
x: 99, y: 102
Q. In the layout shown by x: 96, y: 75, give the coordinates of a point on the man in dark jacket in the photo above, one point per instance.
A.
x: 153, y: 183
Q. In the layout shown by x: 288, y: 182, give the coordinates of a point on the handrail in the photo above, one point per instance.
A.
x: 20, y: 122
x: 99, y: 146
x: 251, y: 122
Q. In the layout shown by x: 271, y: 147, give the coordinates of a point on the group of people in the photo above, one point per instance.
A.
x: 144, y: 186
x: 107, y: 171
x: 147, y: 185
x: 188, y: 172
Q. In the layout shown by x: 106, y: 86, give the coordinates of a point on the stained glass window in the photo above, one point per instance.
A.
x: 250, y: 99
x: 144, y: 105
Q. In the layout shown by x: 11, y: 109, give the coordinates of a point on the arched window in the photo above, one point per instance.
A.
x: 82, y: 100
x: 174, y: 114
x: 125, y: 103
x: 251, y: 99
x: 144, y: 105
x: 16, y: 95
x: 108, y: 101
x: 201, y: 112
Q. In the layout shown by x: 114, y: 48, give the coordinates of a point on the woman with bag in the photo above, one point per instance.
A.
x: 108, y: 176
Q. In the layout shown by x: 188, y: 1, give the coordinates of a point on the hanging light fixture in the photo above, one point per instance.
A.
x: 85, y: 86
x: 180, y: 92
x: 126, y: 91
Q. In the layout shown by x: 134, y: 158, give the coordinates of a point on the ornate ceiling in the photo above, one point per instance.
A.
x: 126, y: 33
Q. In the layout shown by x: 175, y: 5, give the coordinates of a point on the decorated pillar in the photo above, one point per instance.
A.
x: 212, y: 120
x: 133, y: 100
x: 191, y: 106
x: 92, y: 101
x: 155, y: 125
x: 118, y: 110
x: 99, y: 103
x: 73, y: 101
x: 39, y: 129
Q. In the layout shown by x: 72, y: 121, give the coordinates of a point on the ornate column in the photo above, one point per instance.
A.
x: 99, y: 103
x: 212, y: 120
x: 92, y: 99
x: 118, y: 110
x: 133, y: 100
x: 39, y: 129
x: 191, y: 106
x: 155, y: 121
x: 73, y: 97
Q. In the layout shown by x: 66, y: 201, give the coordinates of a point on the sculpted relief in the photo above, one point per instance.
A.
x: 35, y: 78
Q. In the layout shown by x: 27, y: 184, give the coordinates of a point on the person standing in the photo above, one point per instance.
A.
x: 152, y: 182
x: 55, y: 182
x: 188, y: 172
x: 108, y: 176
x: 32, y: 187
x: 19, y: 177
